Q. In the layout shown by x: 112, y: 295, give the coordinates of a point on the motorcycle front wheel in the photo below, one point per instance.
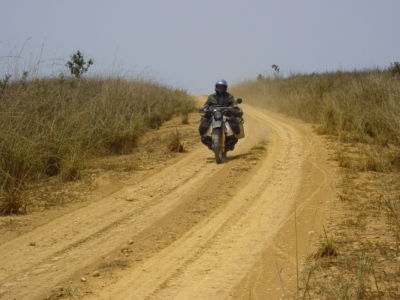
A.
x: 216, y: 146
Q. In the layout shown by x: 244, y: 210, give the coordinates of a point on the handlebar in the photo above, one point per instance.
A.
x: 211, y: 108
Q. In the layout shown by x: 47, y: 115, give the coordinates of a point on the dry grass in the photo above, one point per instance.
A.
x: 359, y: 111
x: 114, y: 264
x: 175, y: 143
x: 185, y: 119
x: 327, y: 247
x: 50, y: 127
x: 355, y: 106
x: 365, y: 233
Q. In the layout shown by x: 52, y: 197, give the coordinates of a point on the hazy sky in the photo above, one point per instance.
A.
x: 190, y: 44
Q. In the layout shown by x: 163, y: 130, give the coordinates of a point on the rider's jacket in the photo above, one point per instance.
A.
x: 224, y: 99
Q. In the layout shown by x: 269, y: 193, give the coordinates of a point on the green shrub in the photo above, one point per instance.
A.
x: 395, y: 68
x: 77, y: 65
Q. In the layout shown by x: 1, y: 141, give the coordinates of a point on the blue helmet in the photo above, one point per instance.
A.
x: 221, y: 86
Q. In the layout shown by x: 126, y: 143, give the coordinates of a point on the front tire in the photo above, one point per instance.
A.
x: 216, y: 145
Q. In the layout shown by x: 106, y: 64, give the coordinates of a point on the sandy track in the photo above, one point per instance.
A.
x: 199, y: 230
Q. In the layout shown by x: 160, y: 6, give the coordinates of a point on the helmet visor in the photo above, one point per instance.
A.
x: 220, y: 88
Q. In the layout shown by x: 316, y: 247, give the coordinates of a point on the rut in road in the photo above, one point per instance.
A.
x: 200, y: 230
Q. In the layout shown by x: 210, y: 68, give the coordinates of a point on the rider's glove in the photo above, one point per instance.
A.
x: 237, y: 112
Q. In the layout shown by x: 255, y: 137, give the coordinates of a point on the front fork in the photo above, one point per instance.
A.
x: 222, y: 141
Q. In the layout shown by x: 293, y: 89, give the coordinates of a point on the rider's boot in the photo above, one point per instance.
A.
x: 230, y: 142
x: 206, y: 140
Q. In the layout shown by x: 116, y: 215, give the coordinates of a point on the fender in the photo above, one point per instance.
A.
x: 216, y: 124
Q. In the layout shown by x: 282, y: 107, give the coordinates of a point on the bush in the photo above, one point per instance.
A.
x: 175, y: 143
x: 77, y: 65
x: 395, y: 68
x: 4, y: 82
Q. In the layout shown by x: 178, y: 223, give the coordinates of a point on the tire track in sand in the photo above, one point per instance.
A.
x: 211, y: 259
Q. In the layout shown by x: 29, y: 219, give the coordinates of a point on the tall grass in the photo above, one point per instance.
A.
x: 49, y: 127
x: 356, y: 106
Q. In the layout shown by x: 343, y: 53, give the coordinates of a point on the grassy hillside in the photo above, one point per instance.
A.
x: 356, y: 106
x: 358, y: 256
x: 49, y: 127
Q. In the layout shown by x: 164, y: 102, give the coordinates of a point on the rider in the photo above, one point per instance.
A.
x: 221, y: 98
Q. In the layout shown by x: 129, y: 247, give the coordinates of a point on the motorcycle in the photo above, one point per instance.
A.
x: 220, y: 130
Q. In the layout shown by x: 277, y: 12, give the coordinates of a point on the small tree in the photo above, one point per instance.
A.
x: 394, y: 68
x: 4, y: 82
x: 276, y: 70
x: 77, y: 64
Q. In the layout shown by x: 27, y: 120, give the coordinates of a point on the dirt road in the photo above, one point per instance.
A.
x: 192, y: 230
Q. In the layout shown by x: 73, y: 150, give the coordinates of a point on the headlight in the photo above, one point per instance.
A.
x: 217, y: 115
